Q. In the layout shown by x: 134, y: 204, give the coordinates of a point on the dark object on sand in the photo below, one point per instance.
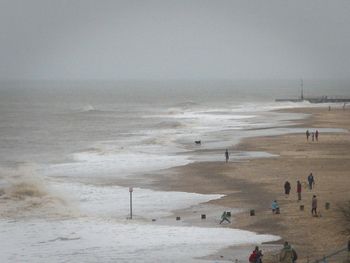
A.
x: 198, y: 142
x: 178, y: 218
x: 203, y: 216
x: 287, y: 188
x: 252, y: 212
x: 228, y: 213
x: 327, y: 205
x: 302, y: 208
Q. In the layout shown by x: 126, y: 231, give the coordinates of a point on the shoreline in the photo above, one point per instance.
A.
x: 254, y: 183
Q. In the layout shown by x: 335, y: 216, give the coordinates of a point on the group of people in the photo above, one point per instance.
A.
x: 311, y: 184
x: 256, y: 256
x: 286, y: 255
x: 314, y: 135
x: 287, y: 188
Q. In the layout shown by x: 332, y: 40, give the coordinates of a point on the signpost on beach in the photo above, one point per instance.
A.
x: 130, y: 191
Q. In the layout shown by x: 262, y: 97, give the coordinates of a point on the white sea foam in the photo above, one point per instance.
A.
x: 113, y: 201
x: 133, y: 161
x: 85, y: 240
x: 103, y: 234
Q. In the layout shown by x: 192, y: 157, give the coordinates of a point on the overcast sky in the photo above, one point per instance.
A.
x: 61, y: 39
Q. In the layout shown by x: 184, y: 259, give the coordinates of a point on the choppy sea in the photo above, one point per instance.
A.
x: 61, y: 143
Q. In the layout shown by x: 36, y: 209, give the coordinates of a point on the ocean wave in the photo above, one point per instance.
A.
x: 88, y: 109
x: 24, y: 193
x: 93, y: 150
x: 186, y: 104
x: 170, y: 125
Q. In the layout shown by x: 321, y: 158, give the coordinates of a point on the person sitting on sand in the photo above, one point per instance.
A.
x: 275, y: 207
x: 224, y: 217
x: 287, y: 188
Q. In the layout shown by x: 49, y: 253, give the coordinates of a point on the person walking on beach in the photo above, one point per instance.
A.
x: 227, y: 156
x: 287, y: 188
x: 286, y: 254
x: 307, y: 135
x: 299, y: 190
x: 314, y: 206
x: 256, y: 256
x: 311, y: 181
x: 313, y: 136
x: 275, y: 207
x: 224, y: 217
x: 316, y: 135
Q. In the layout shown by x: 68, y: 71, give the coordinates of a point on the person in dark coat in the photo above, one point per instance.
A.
x: 316, y: 135
x: 287, y: 188
x: 307, y: 135
x: 311, y: 181
x: 314, y: 206
x: 299, y: 190
x: 227, y: 156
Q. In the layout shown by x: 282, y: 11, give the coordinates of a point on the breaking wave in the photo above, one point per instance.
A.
x: 186, y: 104
x: 24, y: 193
x: 169, y: 125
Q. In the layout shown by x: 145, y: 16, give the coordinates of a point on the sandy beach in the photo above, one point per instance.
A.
x: 254, y: 183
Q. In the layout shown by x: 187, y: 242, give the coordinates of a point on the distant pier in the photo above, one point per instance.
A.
x: 323, y: 99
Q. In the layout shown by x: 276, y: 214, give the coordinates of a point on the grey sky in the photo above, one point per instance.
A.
x: 99, y: 39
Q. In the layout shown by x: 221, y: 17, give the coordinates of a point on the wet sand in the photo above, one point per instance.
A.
x: 253, y: 184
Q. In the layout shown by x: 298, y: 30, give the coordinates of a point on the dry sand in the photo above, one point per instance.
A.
x: 253, y: 184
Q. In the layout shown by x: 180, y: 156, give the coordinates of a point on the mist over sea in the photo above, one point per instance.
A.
x: 60, y: 142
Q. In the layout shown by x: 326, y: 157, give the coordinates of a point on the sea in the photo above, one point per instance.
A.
x: 66, y: 145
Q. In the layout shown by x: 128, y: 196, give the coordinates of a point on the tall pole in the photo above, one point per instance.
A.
x: 130, y: 191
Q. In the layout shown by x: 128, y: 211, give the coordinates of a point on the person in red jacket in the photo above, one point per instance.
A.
x: 299, y: 190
